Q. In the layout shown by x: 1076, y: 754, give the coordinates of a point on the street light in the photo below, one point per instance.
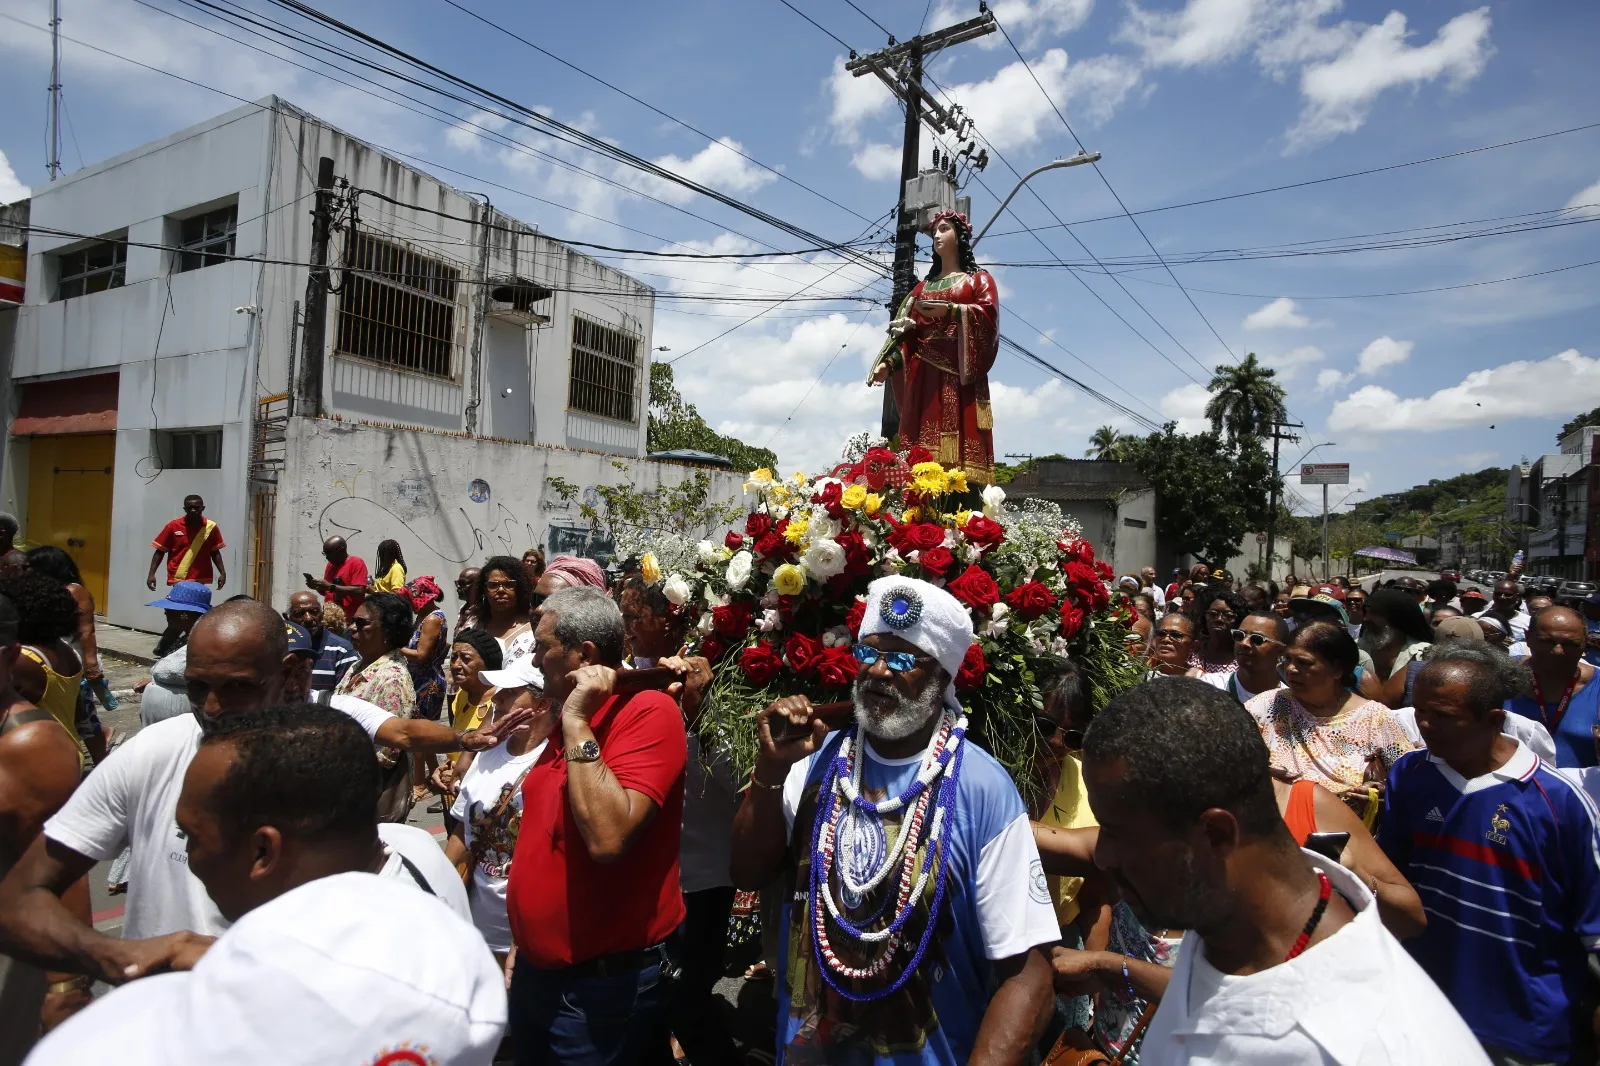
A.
x: 663, y: 348
x: 1075, y: 161
x: 1314, y: 447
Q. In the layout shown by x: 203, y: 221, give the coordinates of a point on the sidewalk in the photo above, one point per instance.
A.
x: 130, y: 645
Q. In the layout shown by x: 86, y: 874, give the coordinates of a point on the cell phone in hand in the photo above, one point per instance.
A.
x: 1328, y: 845
x: 309, y: 579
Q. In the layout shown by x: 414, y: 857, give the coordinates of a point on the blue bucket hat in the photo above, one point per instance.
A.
x: 186, y: 596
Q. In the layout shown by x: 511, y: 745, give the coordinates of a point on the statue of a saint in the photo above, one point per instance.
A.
x: 940, y: 348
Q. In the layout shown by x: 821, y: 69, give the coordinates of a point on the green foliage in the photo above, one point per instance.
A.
x: 1211, y: 490
x: 1005, y: 473
x: 1245, y: 399
x: 1592, y: 418
x: 632, y: 517
x: 1108, y: 444
x: 675, y: 424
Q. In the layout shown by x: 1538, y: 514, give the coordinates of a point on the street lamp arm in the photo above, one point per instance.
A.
x: 1077, y: 160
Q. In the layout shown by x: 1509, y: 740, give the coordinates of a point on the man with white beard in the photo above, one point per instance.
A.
x: 917, y: 886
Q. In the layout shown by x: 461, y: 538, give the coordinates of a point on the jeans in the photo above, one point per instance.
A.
x: 560, y: 1020
x: 699, y: 945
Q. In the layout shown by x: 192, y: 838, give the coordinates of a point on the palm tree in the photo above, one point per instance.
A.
x: 1245, y: 400
x: 1106, y: 443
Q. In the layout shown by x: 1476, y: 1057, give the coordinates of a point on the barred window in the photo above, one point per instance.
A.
x: 207, y: 239
x: 96, y: 268
x: 397, y: 307
x: 605, y: 371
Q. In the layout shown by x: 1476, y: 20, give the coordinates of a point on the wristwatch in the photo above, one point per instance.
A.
x: 588, y: 751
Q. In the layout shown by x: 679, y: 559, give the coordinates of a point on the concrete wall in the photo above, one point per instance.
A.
x: 449, y: 500
x: 1135, y: 544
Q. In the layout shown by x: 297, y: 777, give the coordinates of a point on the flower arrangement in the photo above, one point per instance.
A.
x: 778, y: 603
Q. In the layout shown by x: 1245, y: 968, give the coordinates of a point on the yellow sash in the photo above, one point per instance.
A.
x: 182, y: 573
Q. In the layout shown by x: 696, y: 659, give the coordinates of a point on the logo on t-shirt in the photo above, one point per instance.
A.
x: 1498, y: 825
x: 1038, y: 887
x: 404, y: 1056
x: 1433, y: 816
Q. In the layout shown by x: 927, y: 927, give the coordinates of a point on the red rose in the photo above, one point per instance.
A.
x: 1080, y: 575
x: 918, y: 454
x: 858, y: 559
x: 924, y: 536
x: 838, y: 665
x: 1072, y: 619
x: 976, y: 589
x: 713, y: 648
x: 853, y: 617
x: 973, y: 669
x: 760, y: 663
x: 829, y: 498
x: 731, y: 620
x: 802, y: 652
x: 986, y: 533
x: 734, y: 540
x: 1076, y: 551
x: 1030, y: 600
x: 770, y: 545
x: 1098, y: 595
x: 937, y: 561
x: 758, y: 525
x: 1103, y: 568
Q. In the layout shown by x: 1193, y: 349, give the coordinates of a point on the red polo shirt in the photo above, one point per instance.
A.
x: 174, y: 539
x: 353, y: 573
x: 565, y: 908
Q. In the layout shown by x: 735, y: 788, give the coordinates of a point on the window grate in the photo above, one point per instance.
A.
x: 605, y: 371
x: 207, y: 239
x: 189, y: 449
x: 397, y: 307
x: 96, y: 268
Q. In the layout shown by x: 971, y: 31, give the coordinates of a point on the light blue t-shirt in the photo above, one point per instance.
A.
x: 996, y: 905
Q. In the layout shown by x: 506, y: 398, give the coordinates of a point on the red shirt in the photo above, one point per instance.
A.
x: 565, y: 908
x: 174, y: 540
x: 354, y: 573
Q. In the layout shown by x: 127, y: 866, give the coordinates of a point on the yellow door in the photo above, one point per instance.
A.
x: 69, y: 502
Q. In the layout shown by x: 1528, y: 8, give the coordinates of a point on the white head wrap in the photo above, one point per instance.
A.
x: 924, y: 615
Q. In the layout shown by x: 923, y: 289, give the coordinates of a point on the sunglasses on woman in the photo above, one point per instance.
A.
x: 897, y: 661
x: 1255, y: 640
x: 1048, y: 728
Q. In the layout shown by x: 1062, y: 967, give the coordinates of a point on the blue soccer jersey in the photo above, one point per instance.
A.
x: 1508, y: 868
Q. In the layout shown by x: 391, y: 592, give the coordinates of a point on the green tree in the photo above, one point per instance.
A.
x: 1245, y: 399
x: 1210, y: 491
x: 631, y: 517
x: 1590, y: 419
x: 1107, y: 443
x: 675, y: 424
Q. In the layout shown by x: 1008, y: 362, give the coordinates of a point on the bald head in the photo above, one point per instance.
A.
x: 334, y: 549
x: 237, y: 654
x: 1553, y: 619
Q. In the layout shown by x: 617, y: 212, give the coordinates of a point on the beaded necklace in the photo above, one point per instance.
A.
x: 930, y: 802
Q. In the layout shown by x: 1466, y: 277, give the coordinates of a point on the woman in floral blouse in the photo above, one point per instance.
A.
x: 382, y: 626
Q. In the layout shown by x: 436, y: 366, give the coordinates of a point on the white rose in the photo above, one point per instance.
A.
x: 706, y: 623
x: 823, y: 527
x: 677, y: 590
x: 824, y: 560
x: 708, y: 553
x: 739, y: 570
x: 993, y: 497
x: 999, y: 618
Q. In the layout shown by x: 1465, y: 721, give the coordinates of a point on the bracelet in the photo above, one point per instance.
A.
x: 762, y: 784
x: 80, y: 983
x: 1128, y: 981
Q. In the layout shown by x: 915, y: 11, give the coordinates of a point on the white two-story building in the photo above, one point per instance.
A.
x: 158, y: 352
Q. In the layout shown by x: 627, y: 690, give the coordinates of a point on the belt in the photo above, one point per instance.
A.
x: 621, y: 962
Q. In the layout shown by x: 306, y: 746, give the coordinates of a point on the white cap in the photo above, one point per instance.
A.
x: 924, y: 615
x: 518, y: 673
x: 346, y: 969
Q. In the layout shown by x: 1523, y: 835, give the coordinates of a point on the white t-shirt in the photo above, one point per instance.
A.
x: 428, y: 858
x: 132, y: 800
x: 486, y: 779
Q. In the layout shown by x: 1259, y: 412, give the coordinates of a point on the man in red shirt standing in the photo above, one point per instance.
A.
x: 594, y: 892
x: 344, y: 579
x: 192, y: 545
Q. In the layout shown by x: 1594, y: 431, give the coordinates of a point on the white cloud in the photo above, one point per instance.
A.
x: 877, y: 162
x: 1341, y: 91
x: 1015, y: 404
x: 11, y: 189
x: 468, y: 134
x: 1523, y: 389
x: 1290, y: 363
x: 1331, y: 379
x: 718, y: 165
x: 1186, y: 405
x: 1381, y: 353
x: 1279, y: 314
x: 855, y: 101
x: 1028, y: 21
x: 1012, y: 111
x: 1586, y: 202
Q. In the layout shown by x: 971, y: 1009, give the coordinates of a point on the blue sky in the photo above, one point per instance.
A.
x: 1187, y: 101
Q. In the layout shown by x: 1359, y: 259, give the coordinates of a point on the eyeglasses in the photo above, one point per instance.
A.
x: 501, y: 586
x: 898, y: 661
x: 1255, y: 640
x: 1171, y: 634
x: 361, y: 623
x: 1048, y: 729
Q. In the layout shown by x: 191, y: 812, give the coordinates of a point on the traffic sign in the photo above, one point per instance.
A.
x: 1325, y: 473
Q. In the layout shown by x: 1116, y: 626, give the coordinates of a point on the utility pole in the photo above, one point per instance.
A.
x: 899, y: 66
x: 54, y: 162
x: 1272, y: 514
x: 317, y: 285
x: 1326, y: 573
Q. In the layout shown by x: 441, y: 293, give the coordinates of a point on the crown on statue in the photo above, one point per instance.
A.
x: 950, y: 216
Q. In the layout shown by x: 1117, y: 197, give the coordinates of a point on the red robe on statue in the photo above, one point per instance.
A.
x: 943, y: 388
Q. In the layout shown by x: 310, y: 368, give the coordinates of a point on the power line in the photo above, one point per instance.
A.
x: 820, y: 375
x: 1398, y: 292
x: 818, y: 25
x: 1085, y: 363
x: 1045, y: 364
x: 881, y: 27
x: 1314, y: 181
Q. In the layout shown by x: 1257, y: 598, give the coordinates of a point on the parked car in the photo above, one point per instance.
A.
x: 1450, y: 575
x: 1574, y: 591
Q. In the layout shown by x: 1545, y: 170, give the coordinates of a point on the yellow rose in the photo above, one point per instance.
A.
x: 789, y: 580
x: 872, y: 504
x: 911, y: 515
x: 796, y: 530
x: 798, y: 477
x: 649, y: 569
x: 761, y: 476
x: 956, y: 481
x: 853, y: 497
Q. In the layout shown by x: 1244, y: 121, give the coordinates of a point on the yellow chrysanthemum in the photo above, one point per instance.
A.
x: 853, y: 497
x: 796, y: 531
x: 962, y: 516
x: 872, y: 504
x: 789, y: 580
x: 911, y: 515
x: 956, y: 481
x: 649, y: 569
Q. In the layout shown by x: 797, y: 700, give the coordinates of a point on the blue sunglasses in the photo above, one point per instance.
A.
x: 898, y: 661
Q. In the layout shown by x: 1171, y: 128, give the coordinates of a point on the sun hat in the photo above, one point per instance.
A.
x: 186, y: 596
x: 518, y: 673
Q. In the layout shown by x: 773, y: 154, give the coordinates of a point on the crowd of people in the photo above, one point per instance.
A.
x: 1333, y: 824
